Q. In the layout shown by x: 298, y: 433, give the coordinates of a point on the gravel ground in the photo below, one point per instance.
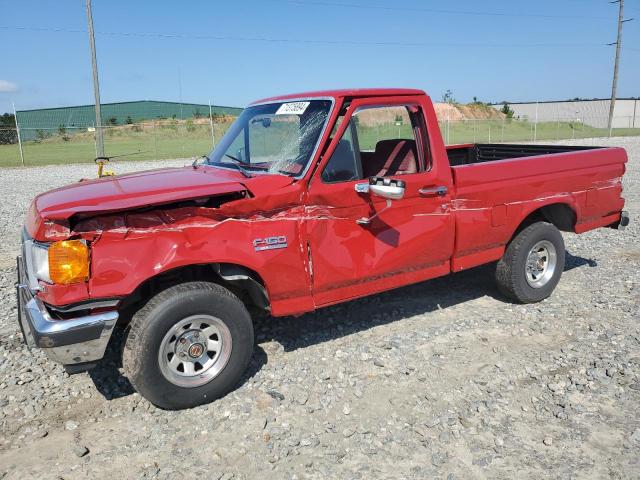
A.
x: 442, y: 379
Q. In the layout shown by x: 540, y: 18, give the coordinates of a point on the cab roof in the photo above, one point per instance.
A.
x: 350, y: 92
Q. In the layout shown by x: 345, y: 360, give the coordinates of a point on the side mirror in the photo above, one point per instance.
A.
x: 389, y: 188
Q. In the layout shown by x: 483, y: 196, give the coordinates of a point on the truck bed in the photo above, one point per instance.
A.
x: 466, y: 154
x: 498, y: 185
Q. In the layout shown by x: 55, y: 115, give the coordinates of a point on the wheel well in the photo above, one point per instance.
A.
x: 561, y: 215
x: 245, y: 283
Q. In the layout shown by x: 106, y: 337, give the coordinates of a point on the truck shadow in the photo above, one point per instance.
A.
x: 572, y: 261
x: 334, y: 322
x: 362, y: 314
x: 107, y: 375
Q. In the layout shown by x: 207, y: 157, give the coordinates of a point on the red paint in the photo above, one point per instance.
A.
x: 411, y: 241
x: 344, y: 93
x: 329, y: 257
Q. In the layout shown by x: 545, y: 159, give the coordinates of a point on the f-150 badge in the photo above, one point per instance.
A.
x: 270, y: 243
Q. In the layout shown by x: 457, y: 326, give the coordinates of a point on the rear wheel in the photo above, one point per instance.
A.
x: 532, y: 264
x: 189, y: 345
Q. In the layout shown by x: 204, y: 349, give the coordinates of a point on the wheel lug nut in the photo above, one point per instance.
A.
x: 183, y: 340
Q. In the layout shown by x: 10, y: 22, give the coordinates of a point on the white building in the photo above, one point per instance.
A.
x: 590, y: 112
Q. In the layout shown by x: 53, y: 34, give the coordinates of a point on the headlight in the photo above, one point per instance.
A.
x: 68, y: 262
x: 40, y: 262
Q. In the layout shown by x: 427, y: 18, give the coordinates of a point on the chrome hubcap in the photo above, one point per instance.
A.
x: 195, y: 350
x: 541, y: 264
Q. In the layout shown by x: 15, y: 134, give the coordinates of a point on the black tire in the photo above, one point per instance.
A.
x: 151, y: 323
x: 511, y: 269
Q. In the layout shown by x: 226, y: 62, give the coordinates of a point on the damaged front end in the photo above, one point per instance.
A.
x: 77, y: 340
x: 208, y: 229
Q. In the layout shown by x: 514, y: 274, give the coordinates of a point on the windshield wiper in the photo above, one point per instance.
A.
x: 239, y: 165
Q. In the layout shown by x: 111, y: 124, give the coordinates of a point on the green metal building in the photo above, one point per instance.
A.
x: 83, y: 116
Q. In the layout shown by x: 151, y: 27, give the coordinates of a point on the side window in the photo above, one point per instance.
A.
x: 335, y: 128
x: 344, y: 164
x: 379, y: 142
x: 386, y: 141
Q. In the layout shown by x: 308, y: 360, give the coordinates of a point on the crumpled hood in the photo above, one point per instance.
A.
x: 153, y: 187
x: 142, y: 189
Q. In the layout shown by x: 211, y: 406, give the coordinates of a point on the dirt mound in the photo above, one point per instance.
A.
x: 451, y: 111
x: 455, y: 112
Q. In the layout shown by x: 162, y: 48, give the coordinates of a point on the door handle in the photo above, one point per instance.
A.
x: 440, y: 191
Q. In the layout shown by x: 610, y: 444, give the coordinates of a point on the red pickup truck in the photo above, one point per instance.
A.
x: 309, y: 200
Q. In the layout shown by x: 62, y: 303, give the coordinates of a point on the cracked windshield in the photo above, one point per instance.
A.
x: 275, y: 137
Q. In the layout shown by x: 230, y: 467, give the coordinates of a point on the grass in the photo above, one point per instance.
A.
x: 185, y: 140
x: 160, y: 142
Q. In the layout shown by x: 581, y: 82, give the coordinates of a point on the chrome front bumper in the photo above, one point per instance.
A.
x: 70, y: 341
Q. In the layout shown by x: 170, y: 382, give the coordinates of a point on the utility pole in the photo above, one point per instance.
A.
x: 213, y: 137
x: 618, y: 44
x: 535, y: 127
x: 15, y: 119
x: 96, y: 85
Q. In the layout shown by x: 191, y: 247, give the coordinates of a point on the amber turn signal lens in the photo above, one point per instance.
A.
x: 68, y: 262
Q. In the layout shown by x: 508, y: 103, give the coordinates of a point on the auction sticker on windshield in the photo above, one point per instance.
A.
x: 292, y: 108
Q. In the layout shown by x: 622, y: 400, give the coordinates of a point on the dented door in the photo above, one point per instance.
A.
x: 408, y: 241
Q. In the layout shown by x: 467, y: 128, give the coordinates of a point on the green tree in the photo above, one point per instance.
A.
x: 7, y: 120
x: 8, y: 133
x: 448, y: 97
x: 507, y: 110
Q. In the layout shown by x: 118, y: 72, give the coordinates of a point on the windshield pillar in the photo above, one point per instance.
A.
x: 247, y: 147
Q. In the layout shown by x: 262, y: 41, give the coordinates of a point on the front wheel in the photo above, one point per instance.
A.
x: 532, y: 264
x: 189, y: 345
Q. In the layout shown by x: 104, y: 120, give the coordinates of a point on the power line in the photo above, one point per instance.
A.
x: 298, y: 41
x: 434, y: 10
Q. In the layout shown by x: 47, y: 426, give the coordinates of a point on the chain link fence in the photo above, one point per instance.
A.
x: 510, y: 130
x: 175, y: 138
x: 148, y: 140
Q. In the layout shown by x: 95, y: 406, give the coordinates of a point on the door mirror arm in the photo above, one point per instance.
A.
x: 388, y: 188
x: 367, y: 221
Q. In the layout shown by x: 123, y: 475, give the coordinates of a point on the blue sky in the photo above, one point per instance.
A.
x: 495, y: 50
